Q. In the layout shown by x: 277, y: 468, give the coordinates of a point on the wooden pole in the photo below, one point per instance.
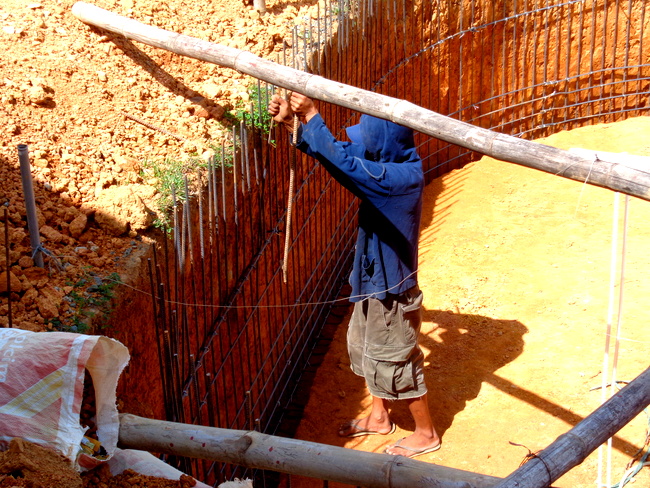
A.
x: 570, y: 449
x: 255, y: 450
x: 626, y: 178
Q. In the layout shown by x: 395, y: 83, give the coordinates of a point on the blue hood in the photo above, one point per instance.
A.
x: 384, y: 141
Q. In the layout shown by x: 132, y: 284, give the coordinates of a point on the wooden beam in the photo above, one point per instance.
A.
x: 571, y: 448
x: 626, y: 178
x: 256, y: 450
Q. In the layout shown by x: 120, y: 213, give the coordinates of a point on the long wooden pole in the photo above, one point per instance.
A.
x: 630, y: 179
x: 256, y: 450
x: 571, y: 448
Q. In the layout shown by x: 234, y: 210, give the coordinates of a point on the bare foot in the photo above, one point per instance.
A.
x: 414, y: 445
x: 366, y: 426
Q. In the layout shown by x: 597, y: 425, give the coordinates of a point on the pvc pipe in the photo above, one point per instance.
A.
x: 30, y: 204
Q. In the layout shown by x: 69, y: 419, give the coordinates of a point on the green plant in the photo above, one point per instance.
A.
x: 169, y: 176
x: 88, y: 299
x: 253, y: 112
x: 169, y: 181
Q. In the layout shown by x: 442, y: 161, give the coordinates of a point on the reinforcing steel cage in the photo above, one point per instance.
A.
x: 232, y: 337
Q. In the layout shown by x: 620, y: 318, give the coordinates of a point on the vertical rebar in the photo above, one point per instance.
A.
x: 579, y: 86
x: 223, y: 180
x: 201, y: 223
x: 193, y: 381
x: 209, y: 176
x: 188, y: 220
x: 30, y: 204
x: 327, y: 21
x: 215, y: 192
x: 245, y: 143
x: 258, y: 129
x: 234, y: 173
x: 213, y: 232
x: 640, y: 74
x: 171, y: 392
x: 522, y: 100
x: 210, y: 405
x: 512, y: 99
x: 248, y: 410
x: 460, y: 61
x: 591, y: 57
x: 320, y: 45
x: 612, y: 84
x: 177, y: 234
x: 626, y: 59
x: 547, y: 28
x: 567, y: 68
x: 157, y: 324
x: 183, y: 235
x: 492, y: 71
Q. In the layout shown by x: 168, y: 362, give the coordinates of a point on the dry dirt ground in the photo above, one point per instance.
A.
x: 514, y: 263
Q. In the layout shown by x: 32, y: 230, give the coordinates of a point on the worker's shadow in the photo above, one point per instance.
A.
x: 173, y: 84
x: 462, y: 351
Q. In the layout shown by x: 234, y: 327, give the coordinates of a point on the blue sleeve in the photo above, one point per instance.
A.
x: 345, y: 161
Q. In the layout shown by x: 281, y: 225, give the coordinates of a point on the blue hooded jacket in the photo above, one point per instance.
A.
x: 382, y: 168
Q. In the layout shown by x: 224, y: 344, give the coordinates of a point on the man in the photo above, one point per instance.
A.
x: 382, y: 168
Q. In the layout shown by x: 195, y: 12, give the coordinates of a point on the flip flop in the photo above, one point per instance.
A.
x: 416, y: 452
x: 352, y: 424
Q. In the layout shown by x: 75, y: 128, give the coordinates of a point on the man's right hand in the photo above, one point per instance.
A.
x: 281, y: 112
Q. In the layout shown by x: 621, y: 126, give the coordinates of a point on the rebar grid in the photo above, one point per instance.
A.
x: 233, y: 338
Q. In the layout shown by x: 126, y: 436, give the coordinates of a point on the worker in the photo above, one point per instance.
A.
x: 382, y: 168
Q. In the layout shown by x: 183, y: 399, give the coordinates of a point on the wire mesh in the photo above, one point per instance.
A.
x: 233, y: 339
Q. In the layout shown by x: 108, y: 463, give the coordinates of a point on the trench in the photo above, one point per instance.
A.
x: 225, y: 341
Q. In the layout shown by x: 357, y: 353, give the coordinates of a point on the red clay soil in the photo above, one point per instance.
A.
x: 514, y: 266
x: 26, y: 464
x: 29, y: 465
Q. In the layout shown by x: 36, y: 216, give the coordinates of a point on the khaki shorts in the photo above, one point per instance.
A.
x: 383, y: 345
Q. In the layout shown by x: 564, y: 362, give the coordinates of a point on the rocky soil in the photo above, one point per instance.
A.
x: 97, y: 112
x: 29, y: 465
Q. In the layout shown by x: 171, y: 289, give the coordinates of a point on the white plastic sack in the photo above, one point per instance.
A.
x: 41, y: 389
x: 237, y: 483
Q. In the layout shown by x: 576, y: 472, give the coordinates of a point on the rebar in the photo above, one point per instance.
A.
x: 153, y: 127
